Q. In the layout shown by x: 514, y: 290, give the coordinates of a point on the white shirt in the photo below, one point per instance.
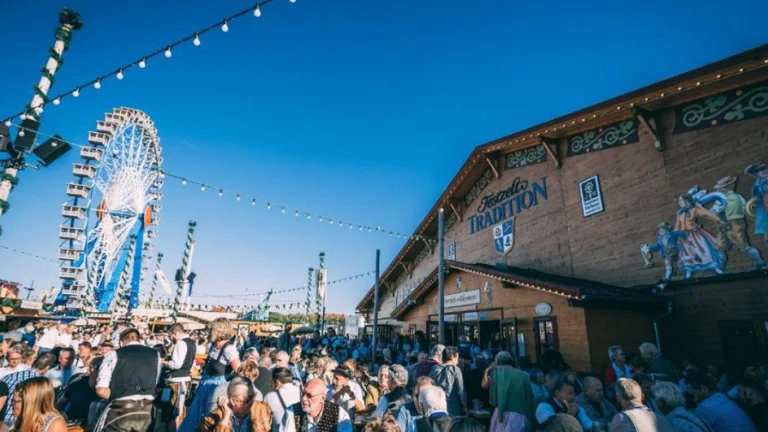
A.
x: 64, y: 339
x: 108, y: 366
x: 177, y: 358
x: 345, y: 424
x: 76, y: 344
x: 346, y: 401
x: 49, y: 339
x: 6, y: 370
x: 291, y: 395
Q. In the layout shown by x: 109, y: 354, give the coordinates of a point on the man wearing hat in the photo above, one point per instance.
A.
x: 760, y: 194
x: 733, y: 213
x: 667, y: 246
x: 348, y: 394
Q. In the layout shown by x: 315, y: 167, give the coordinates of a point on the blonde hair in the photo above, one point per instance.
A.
x: 248, y: 369
x: 36, y: 403
x: 221, y: 330
x: 296, y: 354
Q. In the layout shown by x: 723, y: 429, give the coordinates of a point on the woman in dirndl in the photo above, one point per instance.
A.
x: 222, y: 359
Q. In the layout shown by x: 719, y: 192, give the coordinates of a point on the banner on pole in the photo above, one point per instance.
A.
x: 163, y: 281
x: 322, y: 282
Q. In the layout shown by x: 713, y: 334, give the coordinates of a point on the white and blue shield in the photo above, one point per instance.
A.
x: 504, y: 237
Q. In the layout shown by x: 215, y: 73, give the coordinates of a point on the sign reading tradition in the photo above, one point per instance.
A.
x: 591, y: 196
x: 506, y: 203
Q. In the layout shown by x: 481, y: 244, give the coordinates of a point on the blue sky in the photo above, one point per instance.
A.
x: 358, y: 110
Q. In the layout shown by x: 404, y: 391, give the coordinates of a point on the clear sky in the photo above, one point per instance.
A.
x: 358, y: 110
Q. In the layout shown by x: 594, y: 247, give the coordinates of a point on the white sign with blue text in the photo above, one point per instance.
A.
x: 591, y: 196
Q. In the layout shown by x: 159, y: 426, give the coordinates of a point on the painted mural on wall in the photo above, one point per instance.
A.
x: 707, y: 225
x: 529, y: 156
x: 728, y: 107
x: 607, y: 137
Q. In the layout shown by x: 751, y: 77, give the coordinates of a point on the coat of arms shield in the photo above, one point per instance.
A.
x: 504, y: 236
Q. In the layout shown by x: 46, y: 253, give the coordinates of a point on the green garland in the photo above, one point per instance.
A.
x: 29, y: 111
x: 39, y: 92
x: 4, y: 206
x: 63, y: 35
x: 56, y: 56
x: 9, y: 178
x: 50, y: 76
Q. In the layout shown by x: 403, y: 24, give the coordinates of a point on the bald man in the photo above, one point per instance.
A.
x: 315, y: 414
x: 593, y: 402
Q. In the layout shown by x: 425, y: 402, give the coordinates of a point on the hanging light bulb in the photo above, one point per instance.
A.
x: 168, y: 52
x: 341, y: 224
x: 330, y: 221
x: 293, y: 1
x: 76, y: 93
x: 361, y: 227
x: 296, y: 213
x: 269, y: 206
x: 225, y: 27
x: 143, y: 63
x: 120, y: 74
x: 238, y: 197
x: 253, y: 202
x: 196, y: 40
x: 183, y: 182
x: 257, y: 12
x: 57, y: 101
x: 8, y: 123
x: 309, y: 216
x: 369, y: 229
x: 350, y: 226
x: 320, y: 219
x: 21, y: 133
x: 202, y: 188
x: 221, y: 192
x: 97, y: 84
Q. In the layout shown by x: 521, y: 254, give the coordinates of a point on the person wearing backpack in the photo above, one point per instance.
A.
x: 449, y: 377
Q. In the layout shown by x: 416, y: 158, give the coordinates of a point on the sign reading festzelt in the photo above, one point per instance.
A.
x: 506, y: 203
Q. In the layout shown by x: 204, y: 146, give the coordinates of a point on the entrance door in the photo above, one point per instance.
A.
x: 487, y: 330
x: 739, y: 341
x: 545, y: 332
x: 451, y: 333
x: 509, y: 336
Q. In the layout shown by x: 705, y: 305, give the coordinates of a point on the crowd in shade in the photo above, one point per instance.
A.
x: 56, y: 377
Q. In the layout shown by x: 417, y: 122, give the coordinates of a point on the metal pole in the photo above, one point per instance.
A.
x: 441, y: 275
x: 375, y: 311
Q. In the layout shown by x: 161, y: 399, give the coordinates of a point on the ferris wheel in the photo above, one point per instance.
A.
x: 111, y: 217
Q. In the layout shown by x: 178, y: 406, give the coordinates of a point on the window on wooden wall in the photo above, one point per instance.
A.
x: 545, y: 332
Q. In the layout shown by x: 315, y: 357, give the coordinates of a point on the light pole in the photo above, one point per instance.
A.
x: 25, y: 139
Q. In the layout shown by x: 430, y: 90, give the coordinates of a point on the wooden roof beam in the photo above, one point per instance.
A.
x: 648, y: 121
x: 551, y: 149
x: 457, y: 207
x: 492, y: 163
x: 429, y: 246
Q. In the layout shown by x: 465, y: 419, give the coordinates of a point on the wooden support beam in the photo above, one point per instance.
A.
x: 456, y: 207
x: 428, y: 246
x: 407, y: 267
x: 550, y: 148
x: 645, y: 117
x: 492, y: 164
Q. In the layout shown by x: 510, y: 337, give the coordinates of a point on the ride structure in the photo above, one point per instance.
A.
x: 111, y: 217
x: 261, y: 311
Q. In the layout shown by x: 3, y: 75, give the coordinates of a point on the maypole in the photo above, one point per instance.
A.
x: 123, y: 292
x: 150, y: 303
x: 318, y: 294
x: 181, y: 279
x: 68, y: 21
x: 308, y: 303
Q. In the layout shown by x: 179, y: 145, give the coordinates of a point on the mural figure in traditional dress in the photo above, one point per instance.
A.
x: 668, y: 246
x: 733, y: 214
x: 698, y: 250
x: 758, y: 205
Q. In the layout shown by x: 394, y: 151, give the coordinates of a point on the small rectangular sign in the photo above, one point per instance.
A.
x: 467, y: 298
x: 451, y: 251
x: 471, y: 316
x: 450, y: 318
x: 591, y: 196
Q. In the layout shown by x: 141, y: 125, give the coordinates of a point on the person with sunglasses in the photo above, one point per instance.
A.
x: 316, y: 414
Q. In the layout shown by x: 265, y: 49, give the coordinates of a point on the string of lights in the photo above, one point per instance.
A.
x: 28, y: 254
x: 297, y: 213
x: 266, y: 203
x: 281, y: 291
x: 141, y: 62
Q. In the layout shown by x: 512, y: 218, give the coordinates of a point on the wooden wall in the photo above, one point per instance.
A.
x: 607, y: 327
x: 517, y: 303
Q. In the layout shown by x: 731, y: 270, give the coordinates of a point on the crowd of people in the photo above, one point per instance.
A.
x: 118, y: 378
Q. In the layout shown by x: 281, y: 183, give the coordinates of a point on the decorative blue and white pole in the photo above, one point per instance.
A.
x: 150, y: 303
x: 182, y: 282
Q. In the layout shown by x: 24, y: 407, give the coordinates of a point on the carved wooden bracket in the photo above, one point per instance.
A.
x: 648, y: 121
x: 457, y: 206
x: 550, y: 149
x: 428, y: 246
x: 407, y: 267
x: 492, y: 163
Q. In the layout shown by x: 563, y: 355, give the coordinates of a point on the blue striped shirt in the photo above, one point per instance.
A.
x: 12, y: 380
x: 723, y: 415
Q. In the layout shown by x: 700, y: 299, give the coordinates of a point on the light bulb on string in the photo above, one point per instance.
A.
x: 202, y: 188
x: 57, y: 101
x: 120, y: 74
x: 238, y: 197
x: 225, y: 27
x: 320, y: 219
x: 97, y: 84
x: 253, y: 202
x: 309, y: 216
x: 341, y: 224
x: 21, y: 132
x: 196, y: 40
x: 257, y: 11
x: 330, y: 221
x: 168, y: 52
x: 8, y: 123
x: 143, y: 63
x: 350, y: 226
x: 76, y: 93
x: 293, y: 1
x: 221, y: 192
x: 269, y: 206
x: 183, y: 182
